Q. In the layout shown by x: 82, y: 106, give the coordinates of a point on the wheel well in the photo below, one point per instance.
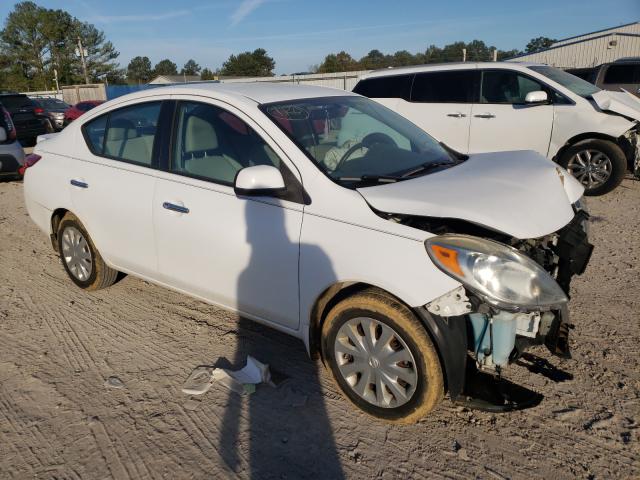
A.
x: 589, y: 136
x: 56, y: 217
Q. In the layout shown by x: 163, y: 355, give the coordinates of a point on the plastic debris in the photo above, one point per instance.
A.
x: 242, y: 381
x: 114, y: 382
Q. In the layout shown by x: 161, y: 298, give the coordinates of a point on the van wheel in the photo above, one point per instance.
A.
x: 382, y: 358
x: 82, y: 262
x: 599, y: 165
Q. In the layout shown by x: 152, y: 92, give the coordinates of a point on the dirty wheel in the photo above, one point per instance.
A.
x: 599, y: 165
x: 81, y: 260
x: 382, y: 358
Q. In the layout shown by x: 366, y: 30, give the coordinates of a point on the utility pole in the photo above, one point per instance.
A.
x: 495, y: 54
x: 84, y: 63
x: 464, y: 54
x: 55, y: 77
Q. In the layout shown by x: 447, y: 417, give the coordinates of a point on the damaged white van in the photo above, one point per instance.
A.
x: 407, y: 267
x: 500, y: 106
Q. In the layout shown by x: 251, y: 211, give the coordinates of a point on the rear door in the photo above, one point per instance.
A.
x: 112, y: 183
x: 440, y: 104
x: 501, y: 120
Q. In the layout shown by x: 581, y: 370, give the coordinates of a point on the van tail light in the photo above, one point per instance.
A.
x: 29, y: 161
x: 38, y: 111
x: 11, y: 129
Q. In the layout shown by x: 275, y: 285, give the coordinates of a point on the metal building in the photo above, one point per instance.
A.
x: 589, y: 49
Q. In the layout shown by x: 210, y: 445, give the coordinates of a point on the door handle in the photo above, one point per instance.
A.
x: 79, y: 183
x: 175, y: 208
x: 485, y: 115
x: 456, y: 115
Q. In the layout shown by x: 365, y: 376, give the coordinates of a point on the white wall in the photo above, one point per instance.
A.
x: 342, y: 80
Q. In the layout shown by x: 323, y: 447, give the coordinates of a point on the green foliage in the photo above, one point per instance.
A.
x: 539, y: 43
x: 207, y: 74
x: 36, y: 40
x: 165, y: 67
x: 139, y: 70
x: 190, y: 68
x: 249, y: 64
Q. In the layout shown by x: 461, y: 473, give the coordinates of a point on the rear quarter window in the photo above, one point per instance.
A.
x: 392, y: 86
x: 94, y: 134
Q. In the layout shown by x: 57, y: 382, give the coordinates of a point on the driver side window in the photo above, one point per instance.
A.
x: 213, y: 144
x: 506, y: 87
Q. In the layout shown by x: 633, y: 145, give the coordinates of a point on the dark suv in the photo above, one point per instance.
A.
x: 623, y: 73
x: 24, y: 113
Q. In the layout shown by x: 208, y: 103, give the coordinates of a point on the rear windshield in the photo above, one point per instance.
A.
x: 576, y: 85
x: 14, y: 102
x: 52, y: 103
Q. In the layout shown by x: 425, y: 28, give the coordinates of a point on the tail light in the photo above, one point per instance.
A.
x: 11, y: 129
x: 38, y: 111
x: 29, y: 161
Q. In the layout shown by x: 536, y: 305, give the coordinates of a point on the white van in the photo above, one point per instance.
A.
x: 499, y: 106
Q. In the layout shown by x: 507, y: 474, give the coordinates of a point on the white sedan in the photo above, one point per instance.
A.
x: 406, y: 266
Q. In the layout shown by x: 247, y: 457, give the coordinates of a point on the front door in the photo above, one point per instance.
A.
x: 238, y: 252
x: 502, y: 121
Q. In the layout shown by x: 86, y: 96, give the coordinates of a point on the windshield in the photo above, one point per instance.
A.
x: 575, y: 84
x: 355, y: 140
x: 52, y: 103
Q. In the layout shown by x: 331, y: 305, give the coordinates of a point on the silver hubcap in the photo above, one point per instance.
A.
x: 76, y: 253
x: 375, y: 362
x: 591, y: 167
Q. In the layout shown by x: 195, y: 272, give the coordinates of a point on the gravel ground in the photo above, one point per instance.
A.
x: 59, y: 419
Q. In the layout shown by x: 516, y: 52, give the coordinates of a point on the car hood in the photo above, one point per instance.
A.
x: 519, y: 193
x: 623, y: 103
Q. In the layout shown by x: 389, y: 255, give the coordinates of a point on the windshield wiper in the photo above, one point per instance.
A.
x: 425, y: 167
x: 370, y: 179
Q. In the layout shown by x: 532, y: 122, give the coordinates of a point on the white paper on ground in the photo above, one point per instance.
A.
x: 241, y: 381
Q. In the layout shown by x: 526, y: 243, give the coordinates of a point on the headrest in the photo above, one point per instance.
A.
x: 200, y: 133
x: 121, y: 129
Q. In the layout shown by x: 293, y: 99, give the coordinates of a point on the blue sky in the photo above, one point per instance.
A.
x: 299, y: 33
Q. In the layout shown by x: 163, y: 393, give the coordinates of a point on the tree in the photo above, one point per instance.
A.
x: 403, y: 58
x: 100, y: 54
x: 139, y: 70
x: 539, y: 43
x: 249, y: 64
x: 338, y: 62
x: 190, y: 68
x: 207, y: 74
x: 165, y: 67
x: 375, y: 59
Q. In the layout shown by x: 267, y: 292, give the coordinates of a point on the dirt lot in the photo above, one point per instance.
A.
x: 59, y: 420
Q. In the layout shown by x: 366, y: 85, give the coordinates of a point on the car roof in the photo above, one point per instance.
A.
x: 258, y: 92
x: 448, y: 66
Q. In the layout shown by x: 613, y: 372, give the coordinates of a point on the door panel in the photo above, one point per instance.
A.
x: 237, y: 252
x: 502, y: 121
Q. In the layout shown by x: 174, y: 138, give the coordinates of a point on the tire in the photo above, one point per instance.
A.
x: 83, y: 263
x: 384, y: 314
x: 595, y: 154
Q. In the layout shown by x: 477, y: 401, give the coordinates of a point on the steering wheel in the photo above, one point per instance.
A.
x: 367, y: 142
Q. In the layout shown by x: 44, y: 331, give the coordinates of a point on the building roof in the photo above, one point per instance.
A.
x: 169, y: 79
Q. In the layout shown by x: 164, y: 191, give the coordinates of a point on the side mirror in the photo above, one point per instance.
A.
x: 537, y: 96
x: 259, y: 180
x: 3, y: 134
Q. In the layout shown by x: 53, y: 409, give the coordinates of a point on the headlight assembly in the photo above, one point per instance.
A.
x: 500, y: 274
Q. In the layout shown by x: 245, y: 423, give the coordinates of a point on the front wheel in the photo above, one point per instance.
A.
x: 80, y: 258
x: 382, y: 358
x: 599, y: 165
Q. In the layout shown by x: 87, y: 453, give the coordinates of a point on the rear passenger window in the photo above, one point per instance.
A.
x: 214, y: 144
x: 395, y: 86
x: 622, y: 74
x: 94, y: 132
x: 506, y: 86
x: 456, y: 86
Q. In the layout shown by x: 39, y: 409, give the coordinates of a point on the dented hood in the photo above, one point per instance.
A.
x: 623, y: 103
x: 518, y: 193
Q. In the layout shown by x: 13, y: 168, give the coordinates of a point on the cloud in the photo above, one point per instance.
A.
x: 243, y: 10
x: 139, y: 18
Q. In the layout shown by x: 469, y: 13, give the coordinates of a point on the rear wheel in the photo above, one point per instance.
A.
x: 599, y: 165
x: 82, y: 262
x: 382, y: 358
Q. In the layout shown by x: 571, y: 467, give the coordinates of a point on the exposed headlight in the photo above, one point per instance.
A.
x: 500, y: 274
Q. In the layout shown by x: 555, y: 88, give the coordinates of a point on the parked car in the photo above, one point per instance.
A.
x: 324, y: 215
x: 11, y: 152
x: 53, y: 110
x: 621, y: 74
x: 25, y: 117
x: 72, y: 113
x: 484, y: 107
